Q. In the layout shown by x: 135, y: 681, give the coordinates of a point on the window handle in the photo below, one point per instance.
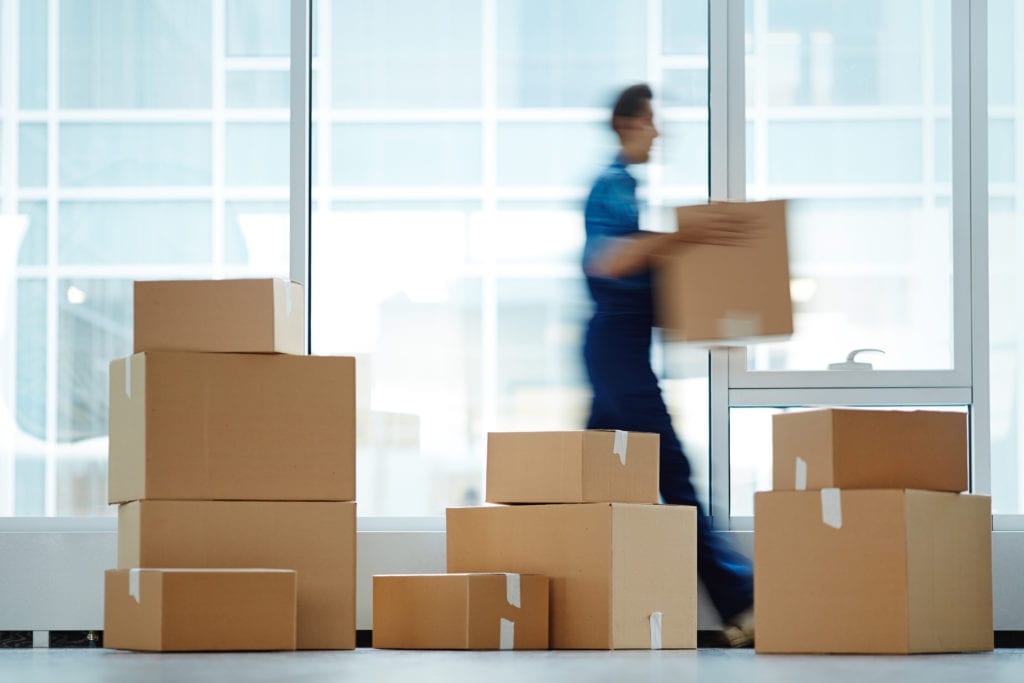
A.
x: 851, y: 362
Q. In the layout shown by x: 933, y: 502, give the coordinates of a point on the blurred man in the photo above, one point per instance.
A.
x: 617, y: 260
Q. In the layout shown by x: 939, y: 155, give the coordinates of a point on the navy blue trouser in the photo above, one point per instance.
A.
x: 627, y: 397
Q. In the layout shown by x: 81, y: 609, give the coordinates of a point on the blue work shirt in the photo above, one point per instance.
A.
x: 612, y: 212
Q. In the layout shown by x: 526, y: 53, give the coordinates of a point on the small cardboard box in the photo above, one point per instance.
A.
x: 872, y: 571
x: 623, y: 576
x: 235, y: 316
x: 869, y: 449
x: 572, y: 467
x: 188, y: 610
x: 460, y: 611
x: 728, y: 295
x: 225, y: 426
x: 317, y: 540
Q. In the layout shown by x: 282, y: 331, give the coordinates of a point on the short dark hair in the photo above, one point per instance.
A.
x: 630, y: 102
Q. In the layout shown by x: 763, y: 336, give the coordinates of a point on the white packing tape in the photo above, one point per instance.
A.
x: 831, y: 508
x: 133, y: 584
x: 655, y: 630
x: 507, y: 639
x: 287, y: 299
x: 512, y: 591
x: 621, y: 445
x: 128, y: 376
x: 801, y: 474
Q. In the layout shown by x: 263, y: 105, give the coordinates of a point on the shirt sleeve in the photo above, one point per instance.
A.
x: 611, y: 213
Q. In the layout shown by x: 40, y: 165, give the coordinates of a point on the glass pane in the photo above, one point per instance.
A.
x: 257, y: 154
x: 128, y: 54
x: 135, y: 154
x: 448, y: 262
x: 32, y: 146
x: 257, y: 89
x: 137, y: 189
x: 256, y: 28
x: 840, y: 120
x: 406, y: 154
x: 32, y: 54
x: 568, y: 53
x: 405, y: 53
x: 1006, y: 249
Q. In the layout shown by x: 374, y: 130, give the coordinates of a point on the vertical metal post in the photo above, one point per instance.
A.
x: 299, y: 151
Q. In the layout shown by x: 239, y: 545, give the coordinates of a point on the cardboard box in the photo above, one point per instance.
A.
x: 461, y: 611
x: 317, y: 540
x: 728, y: 295
x: 621, y: 574
x: 182, y: 610
x: 236, y: 316
x: 572, y: 467
x: 872, y: 571
x: 865, y: 449
x: 218, y: 426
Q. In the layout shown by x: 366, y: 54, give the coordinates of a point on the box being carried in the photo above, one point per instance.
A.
x: 188, y: 610
x: 227, y: 426
x: 623, y: 576
x: 235, y: 316
x: 728, y: 295
x: 869, y: 449
x: 872, y: 571
x: 317, y: 540
x: 460, y: 611
x: 572, y: 467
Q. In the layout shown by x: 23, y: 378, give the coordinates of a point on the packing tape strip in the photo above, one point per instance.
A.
x: 621, y: 444
x: 133, y: 584
x: 831, y: 508
x: 655, y: 630
x: 287, y: 299
x: 507, y: 639
x: 128, y: 376
x: 512, y: 590
x: 801, y: 474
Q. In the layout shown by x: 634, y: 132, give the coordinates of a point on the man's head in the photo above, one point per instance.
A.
x: 633, y: 122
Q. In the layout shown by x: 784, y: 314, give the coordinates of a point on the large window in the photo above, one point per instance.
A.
x: 848, y: 113
x: 1006, y: 250
x: 455, y: 144
x: 139, y: 140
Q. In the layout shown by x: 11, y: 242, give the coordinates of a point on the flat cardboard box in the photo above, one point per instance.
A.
x: 616, y: 570
x: 224, y: 426
x: 728, y: 295
x: 572, y: 467
x: 317, y: 540
x: 869, y: 449
x: 194, y: 610
x: 234, y: 316
x: 872, y: 571
x: 460, y: 611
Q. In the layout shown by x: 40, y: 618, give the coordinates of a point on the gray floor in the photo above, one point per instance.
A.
x: 380, y: 666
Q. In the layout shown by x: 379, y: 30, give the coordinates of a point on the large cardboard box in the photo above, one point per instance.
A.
x: 623, y: 576
x: 317, y: 540
x: 237, y: 316
x: 572, y: 467
x: 219, y: 426
x: 182, y: 610
x: 460, y: 611
x: 865, y: 449
x: 872, y: 571
x: 728, y: 295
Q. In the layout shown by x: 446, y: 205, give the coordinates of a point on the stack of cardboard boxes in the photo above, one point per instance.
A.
x: 230, y: 449
x: 581, y: 508
x: 865, y: 545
